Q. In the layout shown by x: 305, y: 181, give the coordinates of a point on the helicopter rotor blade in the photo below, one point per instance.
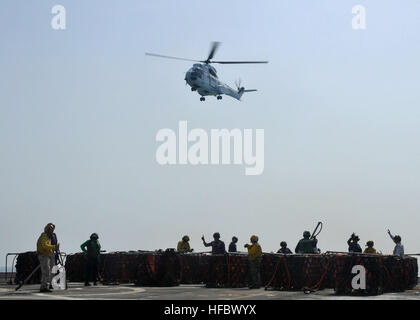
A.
x: 237, y: 62
x: 213, y: 49
x: 169, y: 57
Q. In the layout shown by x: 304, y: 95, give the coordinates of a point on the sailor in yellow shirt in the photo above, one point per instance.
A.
x: 254, y: 259
x: 370, y: 249
x: 45, y: 252
x: 183, y: 245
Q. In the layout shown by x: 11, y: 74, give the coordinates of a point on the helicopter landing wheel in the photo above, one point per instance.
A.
x: 219, y: 97
x: 202, y: 99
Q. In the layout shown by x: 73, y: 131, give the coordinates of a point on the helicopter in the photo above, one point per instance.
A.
x: 202, y: 77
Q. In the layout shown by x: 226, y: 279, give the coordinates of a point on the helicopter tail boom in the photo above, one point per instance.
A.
x: 242, y: 90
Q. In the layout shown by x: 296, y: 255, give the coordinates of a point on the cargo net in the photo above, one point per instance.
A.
x: 225, y: 270
x: 25, y: 263
x: 278, y: 272
x: 296, y: 272
x: 192, y: 270
x: 383, y: 273
x: 319, y: 271
x: 159, y: 269
x: 143, y: 268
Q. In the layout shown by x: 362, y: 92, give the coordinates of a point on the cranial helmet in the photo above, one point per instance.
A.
x: 94, y: 236
x: 186, y: 238
x: 254, y: 238
x: 49, y: 227
x: 306, y: 234
x: 283, y: 244
x: 369, y: 243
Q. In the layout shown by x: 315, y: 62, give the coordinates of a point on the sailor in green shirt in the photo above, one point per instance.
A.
x: 93, y: 249
x: 306, y: 245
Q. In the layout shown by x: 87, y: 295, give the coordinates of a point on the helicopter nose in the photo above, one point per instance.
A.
x: 189, y: 77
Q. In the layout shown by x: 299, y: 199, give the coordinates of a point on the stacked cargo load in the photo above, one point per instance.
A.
x: 161, y: 269
x: 192, y: 268
x: 393, y: 273
x: 410, y: 272
x: 120, y: 267
x: 384, y: 273
x: 114, y: 267
x: 275, y: 272
x: 26, y: 262
x: 296, y: 272
x: 140, y: 267
x: 75, y: 267
x: 226, y: 270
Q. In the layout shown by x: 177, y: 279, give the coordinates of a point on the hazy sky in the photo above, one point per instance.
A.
x: 80, y: 109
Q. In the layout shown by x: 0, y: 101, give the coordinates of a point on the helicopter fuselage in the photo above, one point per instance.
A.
x: 203, y: 79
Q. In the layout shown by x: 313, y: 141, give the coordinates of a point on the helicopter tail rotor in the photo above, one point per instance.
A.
x: 238, y: 83
x: 241, y: 89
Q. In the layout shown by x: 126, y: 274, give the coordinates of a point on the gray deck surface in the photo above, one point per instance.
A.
x: 76, y: 291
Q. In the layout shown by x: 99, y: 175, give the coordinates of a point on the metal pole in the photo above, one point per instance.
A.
x: 6, y: 273
x: 28, y: 277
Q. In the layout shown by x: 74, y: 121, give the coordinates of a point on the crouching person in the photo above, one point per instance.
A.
x: 184, y: 245
x: 45, y: 251
x: 92, y: 248
x: 254, y: 259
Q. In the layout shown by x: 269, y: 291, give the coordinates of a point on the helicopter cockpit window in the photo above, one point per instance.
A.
x: 198, y: 73
x: 213, y: 73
